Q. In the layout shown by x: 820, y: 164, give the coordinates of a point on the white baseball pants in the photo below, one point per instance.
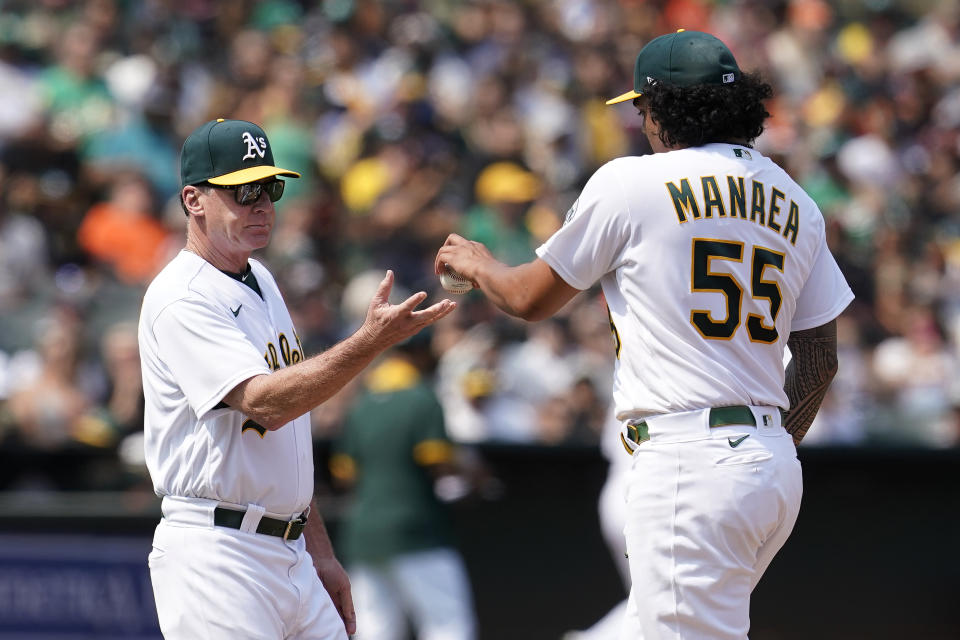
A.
x: 229, y: 584
x: 706, y: 512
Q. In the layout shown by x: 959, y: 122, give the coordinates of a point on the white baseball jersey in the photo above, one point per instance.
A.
x: 708, y: 257
x: 202, y: 333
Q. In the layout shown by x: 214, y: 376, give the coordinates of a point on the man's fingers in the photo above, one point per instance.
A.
x: 439, y: 262
x: 383, y: 291
x: 435, y: 311
x: 451, y: 241
x: 347, y: 612
x: 406, y: 311
x: 411, y: 303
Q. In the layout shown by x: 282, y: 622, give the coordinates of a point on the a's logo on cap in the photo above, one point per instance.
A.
x: 256, y: 146
x: 728, y: 78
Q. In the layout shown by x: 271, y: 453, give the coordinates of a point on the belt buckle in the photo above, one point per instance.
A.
x: 638, y: 432
x: 633, y: 435
x: 300, y: 520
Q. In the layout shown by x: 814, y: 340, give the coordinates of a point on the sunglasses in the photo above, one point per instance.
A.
x: 250, y: 192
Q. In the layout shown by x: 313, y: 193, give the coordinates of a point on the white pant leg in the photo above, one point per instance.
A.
x: 435, y: 586
x: 704, y: 520
x: 222, y: 584
x: 790, y: 486
x: 612, y: 509
x: 317, y: 618
x: 375, y: 596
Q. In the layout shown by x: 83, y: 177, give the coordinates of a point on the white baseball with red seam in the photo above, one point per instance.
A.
x: 453, y: 282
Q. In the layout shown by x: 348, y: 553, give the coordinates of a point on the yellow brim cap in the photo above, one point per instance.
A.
x: 629, y: 95
x: 251, y: 174
x: 682, y: 59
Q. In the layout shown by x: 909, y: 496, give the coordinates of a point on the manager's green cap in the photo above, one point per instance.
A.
x: 682, y: 59
x: 228, y: 152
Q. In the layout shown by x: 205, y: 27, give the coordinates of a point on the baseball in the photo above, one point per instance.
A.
x: 453, y: 282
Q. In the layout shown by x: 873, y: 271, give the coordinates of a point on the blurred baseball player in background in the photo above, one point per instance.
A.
x: 613, y: 516
x: 227, y: 431
x: 397, y: 536
x: 713, y: 261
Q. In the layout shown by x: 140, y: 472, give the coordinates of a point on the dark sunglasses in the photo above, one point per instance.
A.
x: 250, y: 192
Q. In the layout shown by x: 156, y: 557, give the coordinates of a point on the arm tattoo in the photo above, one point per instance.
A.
x: 808, y: 375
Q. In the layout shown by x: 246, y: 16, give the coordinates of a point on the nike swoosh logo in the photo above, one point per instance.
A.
x: 237, y: 312
x: 736, y: 443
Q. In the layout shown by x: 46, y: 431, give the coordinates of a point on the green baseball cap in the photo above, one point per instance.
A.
x: 228, y: 152
x: 682, y: 59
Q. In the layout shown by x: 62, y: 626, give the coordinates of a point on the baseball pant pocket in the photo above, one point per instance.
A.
x: 156, y: 557
x: 745, y: 458
x: 317, y: 617
x: 220, y: 585
x: 159, y: 550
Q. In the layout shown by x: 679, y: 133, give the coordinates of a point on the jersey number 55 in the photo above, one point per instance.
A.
x: 704, y: 251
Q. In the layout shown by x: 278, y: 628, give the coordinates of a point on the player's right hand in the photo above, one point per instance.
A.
x: 387, y: 324
x: 463, y: 256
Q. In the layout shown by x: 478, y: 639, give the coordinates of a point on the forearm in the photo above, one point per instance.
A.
x: 509, y: 289
x: 531, y: 291
x: 274, y: 400
x: 808, y: 376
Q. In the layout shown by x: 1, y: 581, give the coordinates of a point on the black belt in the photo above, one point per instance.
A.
x: 288, y: 530
x: 638, y: 433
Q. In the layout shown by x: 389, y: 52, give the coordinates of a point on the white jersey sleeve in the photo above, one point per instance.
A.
x: 824, y: 295
x: 190, y: 332
x: 591, y: 242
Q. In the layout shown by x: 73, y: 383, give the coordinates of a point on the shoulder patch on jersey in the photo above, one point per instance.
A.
x: 572, y: 211
x: 742, y: 153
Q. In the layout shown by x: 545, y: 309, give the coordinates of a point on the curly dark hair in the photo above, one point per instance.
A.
x: 697, y: 115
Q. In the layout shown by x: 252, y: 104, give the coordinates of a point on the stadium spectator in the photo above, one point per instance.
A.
x: 123, y: 232
x: 410, y: 120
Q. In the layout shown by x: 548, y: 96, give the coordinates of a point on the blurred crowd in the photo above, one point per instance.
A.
x: 411, y: 119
